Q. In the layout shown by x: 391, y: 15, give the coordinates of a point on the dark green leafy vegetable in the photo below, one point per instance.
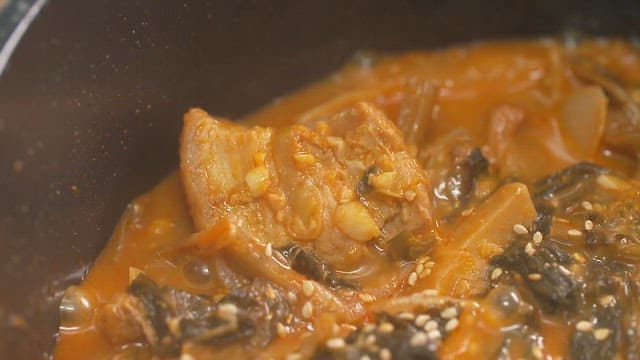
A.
x: 466, y: 173
x: 157, y: 311
x: 609, y: 303
x: 403, y: 338
x: 566, y: 186
x: 306, y: 262
x: 544, y: 273
x: 170, y: 317
x: 544, y: 218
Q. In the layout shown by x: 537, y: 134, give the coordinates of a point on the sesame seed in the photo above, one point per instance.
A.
x: 584, y: 326
x: 466, y: 212
x: 434, y: 335
x: 601, y: 333
x: 418, y: 339
x: 588, y: 225
x: 529, y: 250
x: 606, y: 300
x: 536, y: 352
x: 579, y: 258
x: 574, y: 232
x: 349, y: 327
x: 587, y: 206
x: 292, y: 297
x: 429, y: 264
x: 227, y: 310
x: 386, y: 328
x: 422, y: 319
x: 451, y: 325
x: 307, y: 310
x: 406, y: 316
x: 268, y: 250
x: 424, y: 274
x: 430, y: 292
x: 419, y: 268
x: 537, y: 238
x: 281, y: 330
x: 534, y: 276
x: 611, y: 182
x: 336, y: 343
x: 366, y: 297
x: 496, y: 273
x: 449, y: 313
x: 564, y: 270
x: 413, y: 277
x: 430, y: 326
x: 423, y: 260
x: 369, y: 327
x: 385, y: 354
x: 307, y: 288
x: 370, y: 339
x: 520, y: 229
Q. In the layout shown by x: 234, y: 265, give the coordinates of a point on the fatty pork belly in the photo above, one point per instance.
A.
x: 339, y: 186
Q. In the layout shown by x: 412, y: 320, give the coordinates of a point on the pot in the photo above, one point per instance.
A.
x: 92, y: 98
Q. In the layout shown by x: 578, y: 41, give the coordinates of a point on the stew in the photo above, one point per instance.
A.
x: 476, y: 202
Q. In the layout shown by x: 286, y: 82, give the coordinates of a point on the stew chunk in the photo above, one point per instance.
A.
x: 334, y: 184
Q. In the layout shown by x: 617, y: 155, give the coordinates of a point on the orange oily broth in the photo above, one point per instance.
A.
x: 471, y: 82
x: 151, y: 221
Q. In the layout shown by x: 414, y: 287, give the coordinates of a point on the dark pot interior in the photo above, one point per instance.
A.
x: 91, y: 105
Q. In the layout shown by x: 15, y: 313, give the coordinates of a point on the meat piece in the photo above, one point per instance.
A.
x: 299, y: 183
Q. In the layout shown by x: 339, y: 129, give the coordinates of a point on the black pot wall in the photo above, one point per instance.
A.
x: 91, y: 105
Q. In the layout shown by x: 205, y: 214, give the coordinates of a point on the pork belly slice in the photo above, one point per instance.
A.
x: 335, y: 185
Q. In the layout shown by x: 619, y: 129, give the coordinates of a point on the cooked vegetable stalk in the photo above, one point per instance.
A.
x: 244, y: 252
x: 461, y: 258
x: 416, y: 111
x: 584, y: 116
